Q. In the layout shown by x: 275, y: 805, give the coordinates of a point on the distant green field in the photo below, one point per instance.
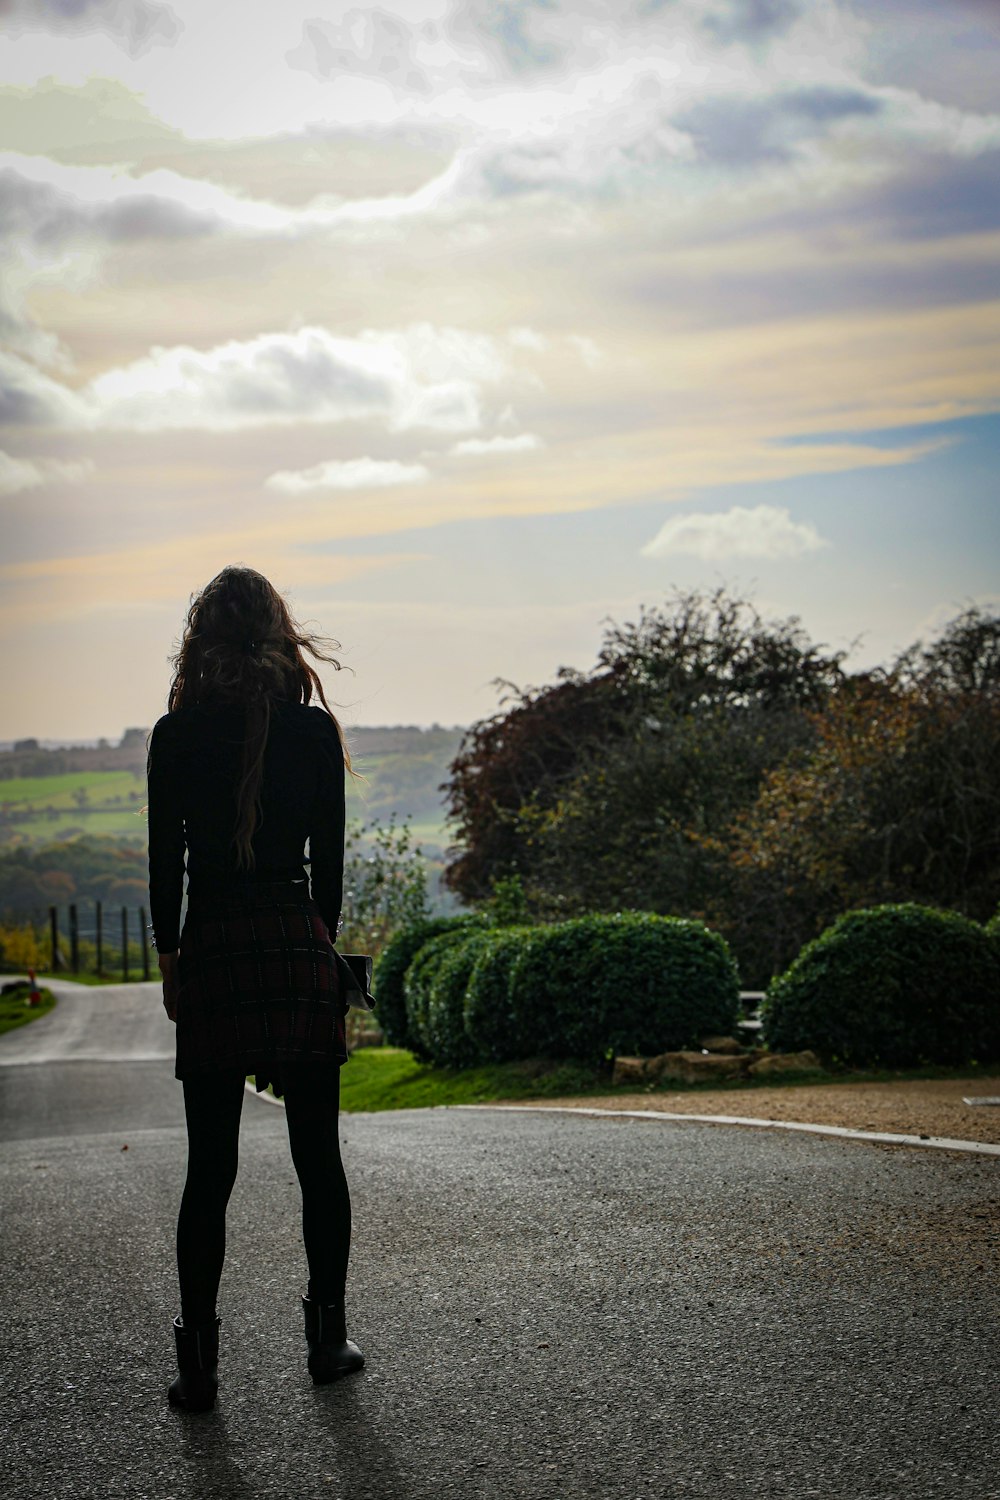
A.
x: 124, y: 826
x: 38, y: 809
x: 100, y: 786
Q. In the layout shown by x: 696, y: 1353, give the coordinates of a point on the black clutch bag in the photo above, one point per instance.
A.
x: 355, y: 970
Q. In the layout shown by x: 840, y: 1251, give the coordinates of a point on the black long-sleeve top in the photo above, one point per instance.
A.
x: 193, y: 772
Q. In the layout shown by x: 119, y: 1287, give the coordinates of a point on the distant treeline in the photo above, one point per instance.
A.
x: 28, y: 757
x: 80, y: 869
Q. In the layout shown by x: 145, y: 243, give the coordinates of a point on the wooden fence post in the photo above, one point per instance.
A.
x: 125, y: 945
x: 54, y: 934
x: 145, y: 942
x: 74, y: 938
x: 100, y: 938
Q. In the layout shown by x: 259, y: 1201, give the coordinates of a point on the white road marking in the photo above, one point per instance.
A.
x: 943, y: 1143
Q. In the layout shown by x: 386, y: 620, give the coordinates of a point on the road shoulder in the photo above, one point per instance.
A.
x: 913, y: 1107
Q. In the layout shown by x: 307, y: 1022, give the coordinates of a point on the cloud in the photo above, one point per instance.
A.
x: 29, y: 398
x: 587, y: 350
x: 523, y: 443
x: 528, y: 338
x: 517, y: 38
x: 49, y: 202
x: 372, y: 43
x: 305, y: 376
x: 936, y: 196
x: 751, y: 20
x: 420, y: 376
x: 137, y: 25
x: 143, y: 573
x: 347, y: 474
x: 766, y: 531
x: 741, y: 131
x: 18, y: 474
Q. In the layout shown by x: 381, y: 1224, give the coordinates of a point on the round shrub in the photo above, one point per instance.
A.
x: 447, y: 1039
x: 496, y: 1033
x: 420, y: 975
x: 390, y: 973
x: 896, y: 986
x: 629, y: 983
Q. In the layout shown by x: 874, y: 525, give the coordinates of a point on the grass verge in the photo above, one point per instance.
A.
x: 66, y: 977
x: 15, y: 1010
x: 379, y: 1078
x: 392, y: 1078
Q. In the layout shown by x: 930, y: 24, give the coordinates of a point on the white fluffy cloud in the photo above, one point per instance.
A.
x: 420, y: 376
x: 347, y: 474
x: 765, y: 531
x: 524, y: 442
x: 18, y: 474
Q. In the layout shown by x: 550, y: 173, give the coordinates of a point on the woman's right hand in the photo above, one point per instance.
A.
x: 171, y: 983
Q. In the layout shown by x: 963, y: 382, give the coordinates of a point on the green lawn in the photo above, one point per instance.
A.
x: 15, y: 1010
x: 379, y: 1078
x: 110, y: 976
x: 392, y: 1078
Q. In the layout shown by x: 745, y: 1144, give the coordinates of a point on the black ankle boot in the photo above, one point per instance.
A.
x: 197, y: 1360
x: 331, y: 1352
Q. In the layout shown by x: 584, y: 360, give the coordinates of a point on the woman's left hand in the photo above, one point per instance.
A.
x: 171, y: 983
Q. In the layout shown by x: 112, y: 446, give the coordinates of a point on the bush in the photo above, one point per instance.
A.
x: 897, y: 985
x: 390, y: 974
x: 420, y: 976
x: 629, y: 983
x: 448, y: 1040
x: 24, y: 947
x: 496, y: 1032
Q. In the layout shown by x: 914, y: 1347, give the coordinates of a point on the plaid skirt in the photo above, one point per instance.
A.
x: 259, y: 988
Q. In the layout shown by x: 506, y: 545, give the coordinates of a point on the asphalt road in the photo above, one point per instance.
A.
x: 553, y: 1307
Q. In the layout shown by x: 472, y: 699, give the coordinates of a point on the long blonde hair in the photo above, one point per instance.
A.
x: 242, y: 646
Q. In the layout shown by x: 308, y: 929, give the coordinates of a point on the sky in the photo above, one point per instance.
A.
x: 475, y: 324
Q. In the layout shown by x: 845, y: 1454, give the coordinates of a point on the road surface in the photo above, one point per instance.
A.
x: 553, y: 1307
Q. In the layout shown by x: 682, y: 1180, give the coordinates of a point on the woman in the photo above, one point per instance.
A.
x: 242, y: 769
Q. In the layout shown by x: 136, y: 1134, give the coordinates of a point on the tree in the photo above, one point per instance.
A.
x: 605, y: 790
x: 897, y: 800
x: 523, y: 755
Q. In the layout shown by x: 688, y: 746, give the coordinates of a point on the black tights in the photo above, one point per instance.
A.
x: 213, y: 1103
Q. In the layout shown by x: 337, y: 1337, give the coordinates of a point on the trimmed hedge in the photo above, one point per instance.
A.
x: 896, y: 985
x: 630, y: 983
x: 420, y: 976
x: 584, y: 989
x: 390, y: 974
x: 448, y: 1041
x: 496, y: 1032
